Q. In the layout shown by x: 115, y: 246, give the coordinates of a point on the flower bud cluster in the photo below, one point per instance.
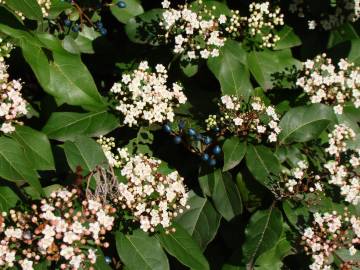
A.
x: 45, y: 6
x: 345, y: 163
x: 60, y: 229
x: 331, y: 232
x: 5, y: 49
x: 152, y: 197
x: 12, y: 104
x: 116, y: 156
x: 344, y: 11
x: 300, y: 180
x: 323, y: 82
x: 251, y: 118
x: 201, y: 33
x: 144, y: 96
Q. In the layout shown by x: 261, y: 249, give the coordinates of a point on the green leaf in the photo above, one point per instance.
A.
x: 30, y: 8
x: 65, y: 77
x: 288, y: 39
x: 341, y: 34
x: 231, y: 71
x: 100, y: 261
x: 84, y: 152
x: 58, y: 6
x: 234, y: 151
x: 136, y: 28
x: 262, y: 233
x: 225, y: 194
x: 15, y: 166
x: 180, y: 245
x: 262, y: 163
x: 263, y: 64
x: 132, y: 9
x: 37, y: 147
x: 305, y: 123
x: 140, y: 251
x: 354, y: 53
x: 272, y: 259
x: 64, y: 126
x: 201, y: 221
x: 72, y: 83
x: 8, y: 199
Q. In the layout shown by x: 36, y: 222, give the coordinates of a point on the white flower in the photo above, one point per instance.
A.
x: 26, y: 265
x: 67, y: 252
x: 165, y: 4
x: 222, y: 19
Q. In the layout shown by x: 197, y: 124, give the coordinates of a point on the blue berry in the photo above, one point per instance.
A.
x: 216, y: 150
x: 103, y: 31
x: 167, y: 128
x: 181, y: 124
x: 216, y: 129
x: 191, y: 132
x: 177, y: 139
x: 212, y: 162
x: 76, y: 28
x: 205, y: 157
x: 207, y: 140
x: 99, y: 24
x: 121, y: 4
x: 67, y: 22
x: 198, y: 137
x: 107, y: 259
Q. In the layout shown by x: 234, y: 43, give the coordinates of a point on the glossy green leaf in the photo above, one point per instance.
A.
x: 201, y: 221
x: 37, y: 147
x: 234, y: 151
x: 8, y: 199
x: 262, y: 233
x: 302, y: 124
x: 180, y: 245
x: 132, y: 8
x: 272, y: 259
x: 263, y: 64
x: 141, y: 251
x: 15, y: 166
x: 262, y: 163
x: 231, y: 71
x: 64, y: 126
x: 30, y: 8
x: 225, y: 194
x: 288, y: 39
x: 84, y: 152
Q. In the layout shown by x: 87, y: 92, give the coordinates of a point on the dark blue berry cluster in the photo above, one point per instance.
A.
x: 202, y: 145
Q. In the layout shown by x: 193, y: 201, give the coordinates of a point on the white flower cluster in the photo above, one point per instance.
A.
x: 262, y: 23
x: 330, y: 232
x: 143, y: 95
x: 153, y: 198
x: 12, y: 104
x: 325, y: 83
x: 301, y: 180
x: 201, y: 33
x: 344, y: 168
x: 116, y: 159
x: 45, y: 6
x: 244, y: 119
x: 344, y: 11
x: 62, y: 229
x: 194, y: 35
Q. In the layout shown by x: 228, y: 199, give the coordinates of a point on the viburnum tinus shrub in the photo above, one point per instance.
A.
x: 179, y: 134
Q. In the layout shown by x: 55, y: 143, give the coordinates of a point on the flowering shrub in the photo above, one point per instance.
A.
x: 194, y: 134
